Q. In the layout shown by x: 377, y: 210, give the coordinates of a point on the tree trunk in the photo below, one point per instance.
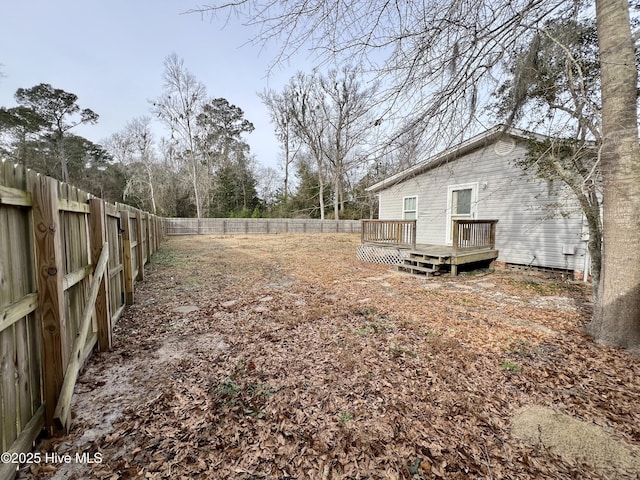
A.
x: 286, y: 173
x: 151, y: 190
x: 321, y: 188
x: 194, y: 179
x: 336, y: 198
x: 62, y: 157
x: 616, y: 319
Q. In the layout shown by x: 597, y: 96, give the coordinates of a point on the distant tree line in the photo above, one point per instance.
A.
x: 203, y: 166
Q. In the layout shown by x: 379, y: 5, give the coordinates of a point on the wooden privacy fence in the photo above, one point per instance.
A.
x: 230, y: 226
x: 68, y: 263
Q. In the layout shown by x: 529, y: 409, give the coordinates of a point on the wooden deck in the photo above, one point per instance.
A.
x: 429, y: 260
x: 473, y: 241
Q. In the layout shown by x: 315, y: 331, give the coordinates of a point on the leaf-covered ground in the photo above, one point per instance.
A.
x: 284, y: 357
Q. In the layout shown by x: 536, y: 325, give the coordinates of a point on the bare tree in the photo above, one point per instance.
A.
x: 178, y: 107
x: 329, y: 115
x: 278, y: 105
x: 346, y: 107
x: 139, y: 131
x: 308, y: 123
x: 119, y: 147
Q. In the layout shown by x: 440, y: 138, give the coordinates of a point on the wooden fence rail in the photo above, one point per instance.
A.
x: 68, y: 263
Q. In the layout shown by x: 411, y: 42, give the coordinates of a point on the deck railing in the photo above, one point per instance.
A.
x: 394, y: 232
x: 473, y: 234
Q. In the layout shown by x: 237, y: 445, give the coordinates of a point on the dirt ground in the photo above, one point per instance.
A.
x: 284, y: 357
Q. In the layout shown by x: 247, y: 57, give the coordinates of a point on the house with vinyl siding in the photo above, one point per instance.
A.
x: 479, y: 180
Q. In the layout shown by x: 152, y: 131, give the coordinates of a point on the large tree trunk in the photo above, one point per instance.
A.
x: 616, y: 318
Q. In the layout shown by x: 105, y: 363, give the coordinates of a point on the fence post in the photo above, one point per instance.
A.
x: 140, y: 250
x: 147, y: 233
x: 126, y: 257
x: 49, y: 273
x: 98, y: 236
x: 152, y: 233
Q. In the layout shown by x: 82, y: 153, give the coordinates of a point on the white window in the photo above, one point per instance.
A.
x: 410, y: 208
x: 461, y: 202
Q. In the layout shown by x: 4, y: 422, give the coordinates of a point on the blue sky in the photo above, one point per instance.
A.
x: 111, y: 53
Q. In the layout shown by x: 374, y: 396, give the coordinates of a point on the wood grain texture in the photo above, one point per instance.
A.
x: 14, y: 196
x: 10, y: 314
x: 49, y: 274
x: 127, y: 257
x: 98, y: 235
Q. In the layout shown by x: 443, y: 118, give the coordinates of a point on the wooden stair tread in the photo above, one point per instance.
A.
x: 411, y: 268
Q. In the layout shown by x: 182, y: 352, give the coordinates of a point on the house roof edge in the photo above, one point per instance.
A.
x: 460, y: 149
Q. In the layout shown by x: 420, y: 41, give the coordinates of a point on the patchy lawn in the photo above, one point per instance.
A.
x: 275, y: 357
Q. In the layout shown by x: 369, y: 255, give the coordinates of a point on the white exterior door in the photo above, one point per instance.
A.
x: 462, y: 203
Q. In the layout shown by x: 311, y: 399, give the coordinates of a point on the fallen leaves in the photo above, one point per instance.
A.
x: 284, y: 357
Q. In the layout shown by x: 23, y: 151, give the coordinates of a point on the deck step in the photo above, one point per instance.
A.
x: 427, y: 258
x: 416, y: 270
x: 422, y: 263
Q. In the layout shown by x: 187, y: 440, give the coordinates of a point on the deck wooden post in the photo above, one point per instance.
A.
x: 492, y: 235
x: 456, y: 232
x: 49, y: 274
x: 140, y: 249
x: 414, y: 232
x: 98, y: 236
x: 126, y: 257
